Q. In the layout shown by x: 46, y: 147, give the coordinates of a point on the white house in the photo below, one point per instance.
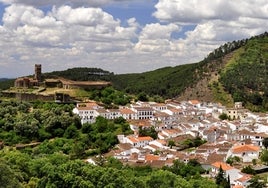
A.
x: 143, y: 112
x: 87, y: 111
x: 127, y: 113
x: 228, y: 170
x: 139, y: 141
x: 243, y: 181
x: 246, y: 152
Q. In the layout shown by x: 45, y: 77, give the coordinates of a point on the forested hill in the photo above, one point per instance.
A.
x: 81, y: 74
x: 236, y: 71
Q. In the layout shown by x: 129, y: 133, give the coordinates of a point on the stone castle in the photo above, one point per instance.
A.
x: 36, y: 81
x: 27, y: 82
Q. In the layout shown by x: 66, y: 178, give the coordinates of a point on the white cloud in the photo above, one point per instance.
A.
x: 74, y: 3
x: 65, y: 36
x: 69, y: 35
x: 217, y: 21
x: 192, y: 11
x: 155, y: 38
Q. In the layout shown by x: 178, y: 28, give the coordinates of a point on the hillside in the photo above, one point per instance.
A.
x: 236, y: 71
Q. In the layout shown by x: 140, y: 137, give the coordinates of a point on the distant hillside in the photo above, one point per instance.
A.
x: 239, y: 75
x: 236, y: 71
x: 81, y: 74
x: 6, y: 83
x: 245, y: 75
x: 182, y: 82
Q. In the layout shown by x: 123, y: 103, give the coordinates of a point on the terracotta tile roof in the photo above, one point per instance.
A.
x: 161, y: 114
x: 141, y: 123
x: 214, y: 157
x: 126, y: 111
x: 172, y: 131
x: 163, y: 142
x: 245, y: 148
x: 238, y: 186
x: 244, y: 178
x: 139, y: 139
x: 145, y: 138
x: 150, y: 157
x: 194, y: 102
x: 145, y: 108
x: 86, y: 108
x: 124, y: 146
x: 223, y: 165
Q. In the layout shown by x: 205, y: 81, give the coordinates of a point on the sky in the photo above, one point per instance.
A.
x: 121, y: 36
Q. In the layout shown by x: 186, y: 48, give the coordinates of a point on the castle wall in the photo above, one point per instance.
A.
x: 33, y: 97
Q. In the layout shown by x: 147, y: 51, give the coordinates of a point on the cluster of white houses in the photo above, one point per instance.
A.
x: 177, y: 121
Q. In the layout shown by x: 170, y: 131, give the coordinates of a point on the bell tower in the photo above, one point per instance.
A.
x: 38, y: 72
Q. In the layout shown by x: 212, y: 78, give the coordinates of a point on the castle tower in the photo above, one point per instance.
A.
x: 38, y: 72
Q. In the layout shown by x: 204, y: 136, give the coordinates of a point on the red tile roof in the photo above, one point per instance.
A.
x: 223, y: 165
x: 139, y: 139
x: 126, y: 111
x: 245, y: 148
x: 150, y: 157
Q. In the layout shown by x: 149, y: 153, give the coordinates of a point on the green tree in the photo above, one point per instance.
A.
x: 142, y: 97
x: 221, y: 179
x: 148, y: 132
x: 163, y: 179
x: 265, y: 142
x: 248, y: 170
x: 171, y: 143
x: 223, y: 116
x: 8, y: 178
x: 264, y: 156
x: 256, y: 182
x: 71, y: 132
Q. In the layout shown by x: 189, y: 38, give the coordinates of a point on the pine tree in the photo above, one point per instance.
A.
x: 221, y: 180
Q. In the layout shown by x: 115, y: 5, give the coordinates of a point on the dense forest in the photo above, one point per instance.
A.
x: 246, y: 75
x: 45, y: 145
x: 81, y: 74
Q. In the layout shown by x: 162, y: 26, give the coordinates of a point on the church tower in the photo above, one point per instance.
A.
x: 38, y: 72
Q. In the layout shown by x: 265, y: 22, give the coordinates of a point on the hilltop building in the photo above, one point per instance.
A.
x: 37, y: 82
x: 38, y: 72
x: 27, y: 82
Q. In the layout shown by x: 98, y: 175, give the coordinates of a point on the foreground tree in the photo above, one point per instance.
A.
x: 256, y: 182
x: 264, y: 156
x: 221, y: 180
x: 7, y: 177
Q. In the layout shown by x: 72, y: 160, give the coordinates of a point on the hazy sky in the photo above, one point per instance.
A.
x: 121, y: 36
